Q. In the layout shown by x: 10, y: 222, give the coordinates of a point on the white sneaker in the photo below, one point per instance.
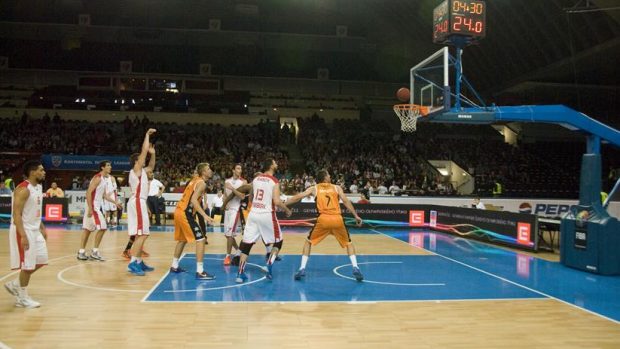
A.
x: 96, y: 256
x: 12, y: 288
x: 27, y: 302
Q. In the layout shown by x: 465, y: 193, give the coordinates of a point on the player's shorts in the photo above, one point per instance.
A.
x: 186, y: 228
x: 137, y: 217
x: 329, y: 225
x: 232, y: 222
x: 94, y: 222
x: 262, y: 225
x: 34, y: 256
x: 109, y: 206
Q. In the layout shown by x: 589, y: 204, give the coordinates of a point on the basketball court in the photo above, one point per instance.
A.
x: 421, y: 289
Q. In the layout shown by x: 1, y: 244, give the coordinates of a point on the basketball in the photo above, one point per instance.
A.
x: 403, y: 94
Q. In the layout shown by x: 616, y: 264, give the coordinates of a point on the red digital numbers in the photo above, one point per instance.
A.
x: 478, y: 27
x: 441, y: 28
x: 462, y: 17
x: 457, y: 24
x: 466, y: 24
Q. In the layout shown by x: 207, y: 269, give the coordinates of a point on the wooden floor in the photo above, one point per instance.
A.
x: 99, y: 307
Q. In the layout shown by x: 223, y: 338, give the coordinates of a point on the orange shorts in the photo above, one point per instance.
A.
x: 186, y: 228
x: 329, y: 225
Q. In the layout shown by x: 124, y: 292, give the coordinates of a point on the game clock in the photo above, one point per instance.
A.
x: 459, y: 17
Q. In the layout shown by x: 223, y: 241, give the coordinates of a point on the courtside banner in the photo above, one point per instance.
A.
x: 517, y: 230
x: 83, y: 162
x: 55, y: 210
x: 5, y: 208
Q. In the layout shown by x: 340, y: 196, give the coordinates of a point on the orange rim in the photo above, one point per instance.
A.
x: 423, y: 110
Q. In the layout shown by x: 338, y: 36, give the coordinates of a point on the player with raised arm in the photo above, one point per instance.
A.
x: 137, y: 210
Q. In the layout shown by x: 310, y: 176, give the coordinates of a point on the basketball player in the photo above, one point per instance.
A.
x: 137, y: 211
x: 94, y: 218
x: 262, y: 221
x: 110, y: 209
x: 27, y: 236
x: 246, y: 190
x: 329, y: 222
x: 232, y: 213
x: 186, y: 229
x: 132, y: 238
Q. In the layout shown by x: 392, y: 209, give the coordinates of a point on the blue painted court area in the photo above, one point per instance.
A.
x: 595, y: 293
x: 387, y: 278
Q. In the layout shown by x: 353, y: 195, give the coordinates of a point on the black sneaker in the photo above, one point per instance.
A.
x: 204, y: 276
x: 278, y: 258
x: 177, y: 270
x: 300, y: 274
x: 358, y: 274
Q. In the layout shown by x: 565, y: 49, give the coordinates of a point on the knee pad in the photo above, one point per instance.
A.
x: 245, y: 248
x: 278, y: 245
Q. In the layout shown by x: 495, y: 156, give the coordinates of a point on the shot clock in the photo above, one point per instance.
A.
x: 459, y: 17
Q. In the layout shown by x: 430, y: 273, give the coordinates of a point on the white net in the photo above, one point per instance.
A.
x: 408, y: 115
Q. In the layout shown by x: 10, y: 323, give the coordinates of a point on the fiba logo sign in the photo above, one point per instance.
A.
x: 525, y: 208
x: 56, y: 161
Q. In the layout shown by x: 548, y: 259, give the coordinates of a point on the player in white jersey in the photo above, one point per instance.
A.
x: 262, y: 221
x: 109, y: 208
x: 27, y: 236
x: 137, y: 210
x: 232, y: 214
x: 94, y: 218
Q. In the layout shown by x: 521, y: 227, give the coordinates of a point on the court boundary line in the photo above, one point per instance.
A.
x: 143, y: 300
x: 506, y: 280
x: 191, y: 255
x: 61, y: 278
x: 363, y: 302
x: 335, y: 271
x: 4, y: 346
x: 2, y: 278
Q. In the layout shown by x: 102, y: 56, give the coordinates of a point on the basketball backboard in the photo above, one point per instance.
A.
x: 430, y: 82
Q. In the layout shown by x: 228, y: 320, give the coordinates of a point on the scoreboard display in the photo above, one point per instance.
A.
x: 459, y: 17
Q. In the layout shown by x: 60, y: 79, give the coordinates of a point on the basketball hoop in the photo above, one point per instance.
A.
x: 408, y: 115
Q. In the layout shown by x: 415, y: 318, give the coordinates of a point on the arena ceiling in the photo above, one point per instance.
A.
x: 529, y: 42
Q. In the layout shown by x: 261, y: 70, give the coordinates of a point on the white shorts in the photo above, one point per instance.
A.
x: 95, y: 222
x: 34, y: 256
x: 232, y: 222
x: 137, y: 217
x: 108, y: 206
x: 262, y: 225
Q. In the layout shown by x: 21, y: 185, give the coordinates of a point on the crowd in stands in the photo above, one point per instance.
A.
x: 363, y: 157
x: 179, y: 147
x: 367, y: 157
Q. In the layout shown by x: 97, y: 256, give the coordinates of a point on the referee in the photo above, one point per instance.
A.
x: 152, y: 201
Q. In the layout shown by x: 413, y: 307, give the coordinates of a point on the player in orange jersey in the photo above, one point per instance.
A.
x: 186, y: 228
x: 329, y: 222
